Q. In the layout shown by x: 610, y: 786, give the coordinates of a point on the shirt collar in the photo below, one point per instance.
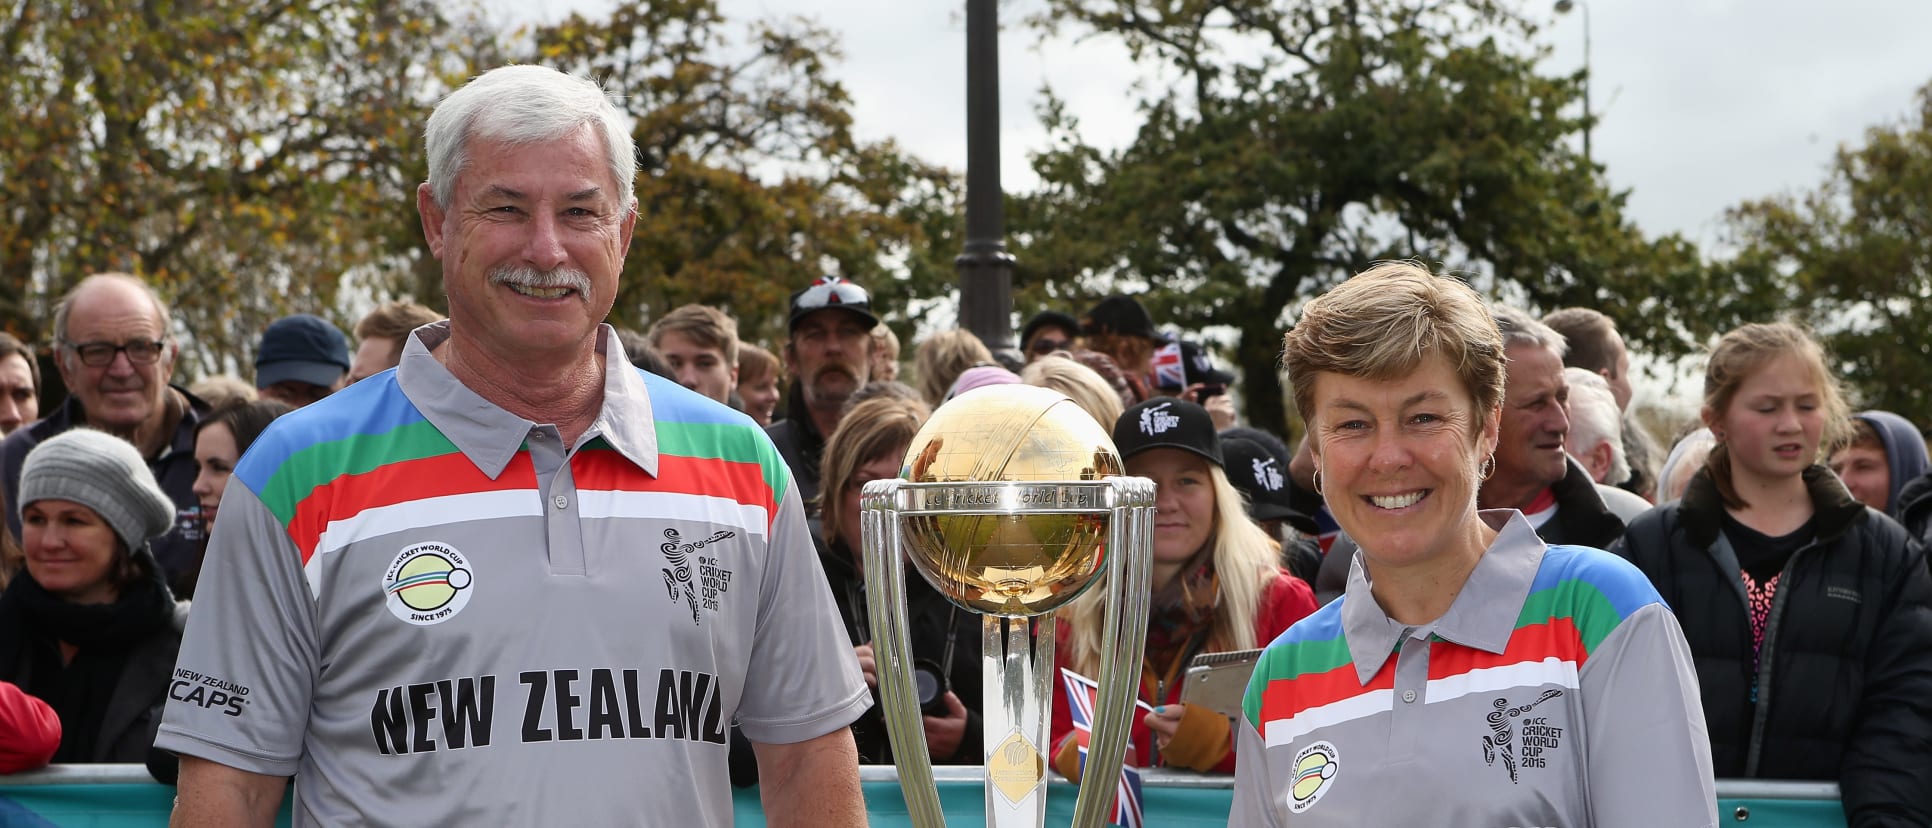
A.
x: 490, y: 436
x: 1484, y: 613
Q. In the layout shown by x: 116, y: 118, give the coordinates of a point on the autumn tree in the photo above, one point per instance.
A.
x: 1853, y: 258
x: 750, y: 181
x: 1293, y: 144
x: 237, y: 155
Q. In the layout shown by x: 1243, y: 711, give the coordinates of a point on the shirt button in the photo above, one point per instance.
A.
x: 1408, y: 696
x: 562, y: 502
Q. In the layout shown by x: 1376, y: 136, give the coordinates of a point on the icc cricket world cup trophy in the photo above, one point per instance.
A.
x: 1012, y: 504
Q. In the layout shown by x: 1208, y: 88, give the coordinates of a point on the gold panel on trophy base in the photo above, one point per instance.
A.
x: 1015, y: 768
x: 1022, y: 562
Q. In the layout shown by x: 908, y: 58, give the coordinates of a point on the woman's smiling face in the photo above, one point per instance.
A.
x: 1399, y: 466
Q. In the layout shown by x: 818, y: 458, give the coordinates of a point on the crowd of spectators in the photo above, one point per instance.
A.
x: 1784, y: 532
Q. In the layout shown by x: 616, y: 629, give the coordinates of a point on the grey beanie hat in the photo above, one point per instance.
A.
x: 103, y: 473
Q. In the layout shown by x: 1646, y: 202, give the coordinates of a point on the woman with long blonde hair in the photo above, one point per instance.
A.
x: 1217, y: 586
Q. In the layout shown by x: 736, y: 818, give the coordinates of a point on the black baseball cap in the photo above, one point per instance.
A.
x: 1049, y: 319
x: 1260, y: 474
x: 1166, y: 422
x: 1200, y: 365
x: 832, y: 292
x: 1122, y: 316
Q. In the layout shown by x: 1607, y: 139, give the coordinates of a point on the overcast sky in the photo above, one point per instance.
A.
x: 1703, y: 103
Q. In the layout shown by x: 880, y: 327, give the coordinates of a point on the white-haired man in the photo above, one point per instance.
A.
x: 515, y: 581
x: 1596, y: 441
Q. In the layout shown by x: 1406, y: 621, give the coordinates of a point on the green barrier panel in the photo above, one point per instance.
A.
x: 120, y: 796
x: 965, y: 806
x: 1780, y: 813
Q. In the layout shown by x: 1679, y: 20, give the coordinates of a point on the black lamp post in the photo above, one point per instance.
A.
x: 985, y: 268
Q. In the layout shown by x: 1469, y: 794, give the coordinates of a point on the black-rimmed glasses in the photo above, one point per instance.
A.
x: 97, y: 354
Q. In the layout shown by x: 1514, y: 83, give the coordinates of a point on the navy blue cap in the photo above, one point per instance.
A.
x: 302, y: 348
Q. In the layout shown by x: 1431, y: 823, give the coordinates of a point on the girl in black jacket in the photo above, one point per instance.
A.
x: 1808, y: 614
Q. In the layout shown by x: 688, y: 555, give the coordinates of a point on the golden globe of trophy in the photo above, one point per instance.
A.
x: 1012, y: 504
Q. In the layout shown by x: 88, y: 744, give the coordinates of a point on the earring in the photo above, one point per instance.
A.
x: 1318, y: 481
x: 1488, y: 467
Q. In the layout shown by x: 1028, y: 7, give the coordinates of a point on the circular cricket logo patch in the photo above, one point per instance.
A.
x: 1314, y: 772
x: 428, y: 583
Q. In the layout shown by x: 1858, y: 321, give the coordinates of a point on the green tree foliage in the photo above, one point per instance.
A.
x: 1292, y: 144
x: 231, y: 153
x: 1852, y: 258
x: 260, y: 157
x: 750, y: 182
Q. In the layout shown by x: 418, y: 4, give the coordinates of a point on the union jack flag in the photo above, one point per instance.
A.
x: 1082, y: 695
x: 1168, y: 370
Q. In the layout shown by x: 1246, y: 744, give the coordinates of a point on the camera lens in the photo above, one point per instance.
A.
x: 930, y: 686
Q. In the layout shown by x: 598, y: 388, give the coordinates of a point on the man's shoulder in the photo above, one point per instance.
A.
x: 676, y: 403
x: 784, y: 432
x: 1593, y: 589
x: 691, y: 424
x: 14, y: 447
x: 360, y: 425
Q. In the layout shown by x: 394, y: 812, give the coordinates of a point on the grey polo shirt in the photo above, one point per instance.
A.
x: 431, y: 612
x: 1556, y: 691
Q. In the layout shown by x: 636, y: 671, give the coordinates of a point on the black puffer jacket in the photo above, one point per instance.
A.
x: 1846, y: 664
x: 1581, y: 519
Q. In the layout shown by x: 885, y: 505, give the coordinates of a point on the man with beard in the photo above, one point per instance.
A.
x: 828, y: 356
x: 115, y: 354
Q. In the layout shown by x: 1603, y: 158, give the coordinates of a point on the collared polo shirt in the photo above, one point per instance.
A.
x: 1556, y: 691
x: 430, y: 611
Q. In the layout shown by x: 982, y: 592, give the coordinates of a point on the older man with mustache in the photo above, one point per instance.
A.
x: 1533, y: 473
x: 463, y: 591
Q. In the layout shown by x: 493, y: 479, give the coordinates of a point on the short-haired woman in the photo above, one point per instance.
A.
x: 1469, y: 674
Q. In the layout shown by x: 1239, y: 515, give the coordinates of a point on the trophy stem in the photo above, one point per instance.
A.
x: 1018, y: 671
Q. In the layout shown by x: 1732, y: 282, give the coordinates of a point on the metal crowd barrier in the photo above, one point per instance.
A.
x: 123, y: 796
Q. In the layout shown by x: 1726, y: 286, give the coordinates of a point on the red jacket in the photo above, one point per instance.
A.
x: 1284, y: 601
x: 29, y: 730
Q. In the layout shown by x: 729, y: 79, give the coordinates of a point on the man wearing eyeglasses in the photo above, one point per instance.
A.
x: 114, y: 352
x: 829, y: 356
